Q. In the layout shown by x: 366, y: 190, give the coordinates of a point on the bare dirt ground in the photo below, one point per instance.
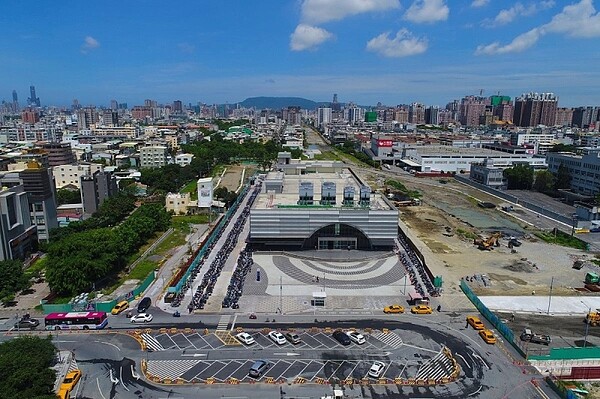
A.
x: 231, y: 179
x: 449, y: 219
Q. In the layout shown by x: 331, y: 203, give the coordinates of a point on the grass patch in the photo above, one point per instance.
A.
x: 466, y: 234
x: 560, y: 238
x: 327, y: 156
x: 192, y: 188
x: 398, y: 186
x: 142, y: 269
x: 36, y: 268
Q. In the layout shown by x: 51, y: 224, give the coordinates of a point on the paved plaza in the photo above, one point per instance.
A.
x: 350, y: 280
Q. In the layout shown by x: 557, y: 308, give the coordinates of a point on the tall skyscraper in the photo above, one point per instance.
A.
x: 114, y: 105
x: 33, y: 100
x: 15, y: 102
x: 471, y: 109
x: 532, y: 109
x: 324, y: 116
x: 177, y: 106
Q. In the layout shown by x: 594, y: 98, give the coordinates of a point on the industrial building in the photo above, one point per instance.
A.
x: 320, y: 206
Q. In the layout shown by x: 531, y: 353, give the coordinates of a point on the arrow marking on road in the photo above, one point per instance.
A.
x: 464, y: 360
x: 194, y: 354
x: 482, y: 361
x: 287, y: 354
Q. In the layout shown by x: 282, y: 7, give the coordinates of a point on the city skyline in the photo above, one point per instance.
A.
x: 367, y: 51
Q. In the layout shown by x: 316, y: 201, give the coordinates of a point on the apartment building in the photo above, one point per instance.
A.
x: 153, y: 156
x: 70, y: 175
x: 584, y: 169
x: 17, y: 234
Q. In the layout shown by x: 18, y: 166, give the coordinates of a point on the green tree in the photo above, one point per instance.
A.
x: 66, y: 196
x: 563, y: 178
x: 12, y: 279
x: 520, y: 177
x: 296, y: 153
x: 562, y: 148
x: 25, y: 368
x: 544, y: 181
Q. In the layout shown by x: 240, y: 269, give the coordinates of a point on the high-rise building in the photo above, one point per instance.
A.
x: 335, y: 106
x: 432, y: 115
x: 96, y: 188
x: 416, y: 113
x: 15, y: 101
x: 177, y: 106
x: 17, y: 234
x: 33, y: 100
x: 86, y: 118
x: 110, y: 118
x: 502, y: 108
x: 584, y: 117
x: 401, y: 114
x: 114, y: 105
x: 471, y: 109
x: 533, y: 109
x: 564, y: 116
x: 30, y: 116
x: 76, y: 106
x: 324, y: 116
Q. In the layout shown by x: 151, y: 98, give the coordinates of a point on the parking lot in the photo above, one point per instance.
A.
x: 317, y: 358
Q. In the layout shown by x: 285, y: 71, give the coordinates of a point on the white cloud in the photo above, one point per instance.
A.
x: 89, y: 43
x: 426, y: 11
x: 519, y: 43
x: 575, y: 20
x: 319, y: 11
x: 403, y: 45
x: 307, y: 37
x: 479, y: 3
x: 508, y: 15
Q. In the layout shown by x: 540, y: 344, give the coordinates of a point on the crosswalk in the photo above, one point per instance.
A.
x: 152, y: 343
x: 170, y: 368
x: 223, y: 322
x: 391, y: 339
x: 439, y: 366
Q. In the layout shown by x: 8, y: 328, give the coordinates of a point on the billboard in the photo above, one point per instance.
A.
x: 384, y: 143
x: 205, y: 192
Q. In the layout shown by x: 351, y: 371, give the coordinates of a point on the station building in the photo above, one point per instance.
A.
x: 320, y: 205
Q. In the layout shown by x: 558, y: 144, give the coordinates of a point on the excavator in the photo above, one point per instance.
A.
x: 489, y: 243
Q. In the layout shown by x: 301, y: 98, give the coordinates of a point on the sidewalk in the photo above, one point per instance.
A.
x: 559, y: 305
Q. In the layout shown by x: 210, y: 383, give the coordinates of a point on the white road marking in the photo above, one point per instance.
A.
x: 98, y: 383
x: 287, y: 354
x: 121, y: 376
x: 464, y: 361
x: 482, y: 361
x: 107, y: 343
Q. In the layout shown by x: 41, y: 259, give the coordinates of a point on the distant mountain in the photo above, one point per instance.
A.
x: 278, y: 102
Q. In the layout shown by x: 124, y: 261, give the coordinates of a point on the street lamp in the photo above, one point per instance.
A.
x: 587, y: 325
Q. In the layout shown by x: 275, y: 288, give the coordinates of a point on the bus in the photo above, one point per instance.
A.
x: 76, y: 321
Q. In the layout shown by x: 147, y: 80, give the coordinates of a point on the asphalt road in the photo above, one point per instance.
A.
x: 111, y: 360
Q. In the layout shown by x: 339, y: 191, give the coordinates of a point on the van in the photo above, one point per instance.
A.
x: 144, y: 305
x: 119, y: 307
x: 258, y: 368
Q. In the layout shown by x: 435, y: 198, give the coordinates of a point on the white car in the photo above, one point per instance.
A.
x: 357, y: 338
x: 376, y: 369
x: 277, y: 337
x: 245, y: 338
x: 141, y: 318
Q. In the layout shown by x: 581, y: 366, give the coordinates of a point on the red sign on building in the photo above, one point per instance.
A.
x: 384, y: 143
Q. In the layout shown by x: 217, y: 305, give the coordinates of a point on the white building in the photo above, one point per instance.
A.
x: 65, y: 175
x: 583, y: 169
x: 205, y: 192
x: 153, y: 156
x: 324, y: 116
x: 184, y: 159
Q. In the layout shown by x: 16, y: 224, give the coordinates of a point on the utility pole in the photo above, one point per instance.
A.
x: 280, y: 295
x: 550, y: 296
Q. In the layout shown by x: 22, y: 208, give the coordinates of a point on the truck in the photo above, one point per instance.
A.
x: 593, y: 318
x: 530, y: 336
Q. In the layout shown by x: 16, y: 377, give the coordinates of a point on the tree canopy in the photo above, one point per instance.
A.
x: 544, y: 181
x: 12, y: 279
x: 66, y: 196
x: 25, y: 368
x: 520, y: 177
x: 78, y: 261
x: 563, y: 178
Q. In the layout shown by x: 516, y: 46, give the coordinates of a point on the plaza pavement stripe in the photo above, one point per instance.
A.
x: 152, y: 343
x: 169, y: 368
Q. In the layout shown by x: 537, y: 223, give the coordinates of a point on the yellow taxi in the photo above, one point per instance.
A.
x: 487, y: 336
x: 475, y: 322
x: 71, y: 379
x: 119, y: 307
x: 421, y: 309
x: 64, y: 393
x: 393, y: 309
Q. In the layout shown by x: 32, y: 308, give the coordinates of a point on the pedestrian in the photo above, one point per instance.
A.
x: 439, y: 308
x: 512, y: 317
x: 317, y: 279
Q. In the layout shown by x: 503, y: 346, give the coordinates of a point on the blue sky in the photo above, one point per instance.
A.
x: 366, y: 51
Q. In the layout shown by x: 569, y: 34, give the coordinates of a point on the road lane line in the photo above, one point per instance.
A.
x: 121, y: 377
x: 98, y: 383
